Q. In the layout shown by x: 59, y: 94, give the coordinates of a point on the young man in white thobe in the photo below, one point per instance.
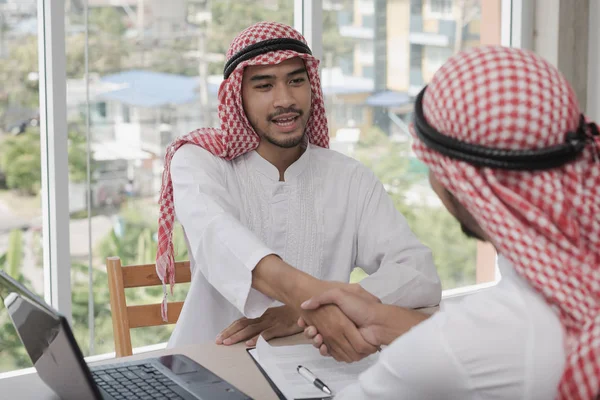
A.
x: 514, y: 160
x: 273, y: 217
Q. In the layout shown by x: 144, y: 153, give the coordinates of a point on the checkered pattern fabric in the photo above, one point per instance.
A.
x: 546, y: 222
x: 236, y: 135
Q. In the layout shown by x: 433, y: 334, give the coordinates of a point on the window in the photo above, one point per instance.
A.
x: 416, y: 56
x: 126, y: 113
x: 439, y: 8
x: 21, y: 238
x: 416, y: 7
x: 148, y: 87
x: 101, y: 107
x: 368, y: 72
x: 133, y: 69
x: 368, y: 21
x: 383, y: 135
x: 435, y: 57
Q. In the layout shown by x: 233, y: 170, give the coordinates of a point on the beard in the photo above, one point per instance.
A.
x: 286, y: 143
x: 469, y: 233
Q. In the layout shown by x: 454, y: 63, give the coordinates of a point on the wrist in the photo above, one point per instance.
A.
x: 300, y: 288
x: 280, y: 281
x: 391, y: 322
x: 379, y: 324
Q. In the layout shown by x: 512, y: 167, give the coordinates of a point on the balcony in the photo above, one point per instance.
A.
x: 443, y: 36
x: 357, y: 32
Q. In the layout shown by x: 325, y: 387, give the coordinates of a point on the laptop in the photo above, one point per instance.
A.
x: 50, y: 343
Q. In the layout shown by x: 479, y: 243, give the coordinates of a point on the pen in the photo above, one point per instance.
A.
x: 313, y: 379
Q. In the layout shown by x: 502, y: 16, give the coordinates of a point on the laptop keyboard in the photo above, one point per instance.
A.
x: 143, y: 382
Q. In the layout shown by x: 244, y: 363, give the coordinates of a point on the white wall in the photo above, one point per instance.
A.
x: 593, y: 94
x: 545, y: 39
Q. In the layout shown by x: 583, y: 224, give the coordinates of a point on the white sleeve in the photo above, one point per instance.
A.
x: 499, y: 343
x: 401, y: 268
x: 415, y: 366
x: 223, y: 249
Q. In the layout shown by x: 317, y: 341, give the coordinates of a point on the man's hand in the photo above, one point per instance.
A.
x: 358, y: 307
x: 353, y: 288
x: 275, y: 322
x: 279, y: 280
x: 344, y: 339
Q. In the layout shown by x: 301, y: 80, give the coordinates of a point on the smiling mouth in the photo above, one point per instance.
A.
x: 285, y: 122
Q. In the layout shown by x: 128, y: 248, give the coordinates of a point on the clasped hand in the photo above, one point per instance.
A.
x: 358, y: 307
x: 338, y: 334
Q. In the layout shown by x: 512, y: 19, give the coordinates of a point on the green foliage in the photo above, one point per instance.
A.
x: 454, y: 254
x: 135, y: 241
x: 103, y: 335
x: 107, y: 20
x: 78, y: 157
x: 18, y: 87
x: 12, y: 352
x: 14, y: 253
x: 21, y: 162
x: 108, y: 49
x: 229, y: 18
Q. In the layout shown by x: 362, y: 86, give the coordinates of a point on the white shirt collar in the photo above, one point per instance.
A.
x: 263, y: 166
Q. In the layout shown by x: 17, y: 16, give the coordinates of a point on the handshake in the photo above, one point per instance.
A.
x: 342, y: 320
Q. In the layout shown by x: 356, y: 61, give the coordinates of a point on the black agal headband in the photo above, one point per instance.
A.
x: 520, y: 160
x: 263, y: 47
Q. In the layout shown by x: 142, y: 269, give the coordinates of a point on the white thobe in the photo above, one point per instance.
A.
x: 504, y: 342
x: 329, y: 215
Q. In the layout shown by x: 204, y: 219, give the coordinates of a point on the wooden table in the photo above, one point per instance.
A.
x: 231, y: 363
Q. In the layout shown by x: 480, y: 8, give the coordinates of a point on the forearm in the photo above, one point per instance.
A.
x: 277, y: 279
x: 390, y: 321
x: 411, y: 283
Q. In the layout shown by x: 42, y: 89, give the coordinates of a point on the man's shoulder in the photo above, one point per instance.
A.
x: 196, y: 152
x: 195, y: 156
x: 330, y: 156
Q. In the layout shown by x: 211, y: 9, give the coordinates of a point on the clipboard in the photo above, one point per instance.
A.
x: 274, y: 386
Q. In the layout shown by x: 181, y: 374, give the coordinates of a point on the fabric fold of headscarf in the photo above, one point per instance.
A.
x: 236, y: 136
x: 546, y: 222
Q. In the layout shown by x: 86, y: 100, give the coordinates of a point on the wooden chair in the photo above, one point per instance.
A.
x: 124, y: 317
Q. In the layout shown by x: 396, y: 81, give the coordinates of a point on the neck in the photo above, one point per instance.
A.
x: 280, y: 157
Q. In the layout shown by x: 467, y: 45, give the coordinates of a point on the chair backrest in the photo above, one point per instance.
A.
x: 124, y: 317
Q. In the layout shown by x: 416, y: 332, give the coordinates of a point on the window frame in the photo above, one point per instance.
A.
x: 54, y: 155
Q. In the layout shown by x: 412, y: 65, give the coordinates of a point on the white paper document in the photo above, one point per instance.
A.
x: 281, y: 362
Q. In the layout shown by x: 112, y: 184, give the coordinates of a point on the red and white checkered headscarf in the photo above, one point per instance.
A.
x: 546, y: 222
x: 236, y: 135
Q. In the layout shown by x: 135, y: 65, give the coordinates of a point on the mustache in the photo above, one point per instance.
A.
x: 282, y: 111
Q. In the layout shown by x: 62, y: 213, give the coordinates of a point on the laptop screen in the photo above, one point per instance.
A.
x: 36, y: 327
x: 49, y: 342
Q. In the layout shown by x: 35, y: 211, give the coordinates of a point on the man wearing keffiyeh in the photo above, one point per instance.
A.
x: 272, y: 217
x: 514, y: 160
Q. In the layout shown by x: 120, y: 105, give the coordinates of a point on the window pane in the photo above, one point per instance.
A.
x: 384, y: 52
x: 151, y: 64
x: 21, y: 254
